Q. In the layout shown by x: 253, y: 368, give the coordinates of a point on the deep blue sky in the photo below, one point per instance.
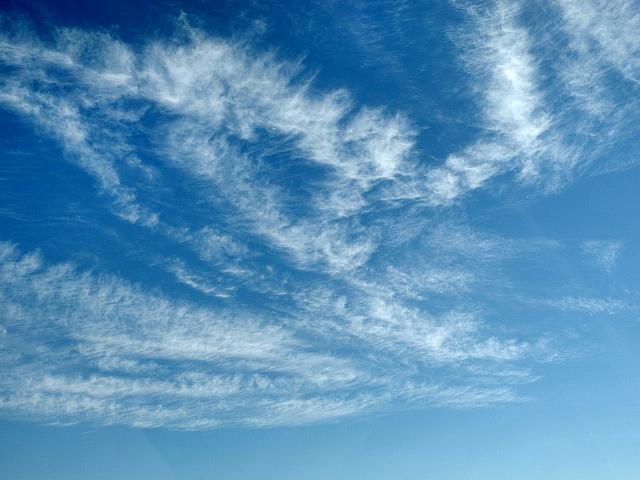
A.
x: 319, y: 240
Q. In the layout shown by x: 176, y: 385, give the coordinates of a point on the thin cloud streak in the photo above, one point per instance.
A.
x: 163, y: 362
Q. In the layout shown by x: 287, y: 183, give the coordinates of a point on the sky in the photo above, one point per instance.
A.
x: 343, y: 240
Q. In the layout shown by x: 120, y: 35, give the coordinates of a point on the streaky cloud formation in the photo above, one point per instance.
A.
x: 609, y: 306
x: 604, y: 253
x: 97, y: 348
x: 287, y: 253
x: 517, y: 120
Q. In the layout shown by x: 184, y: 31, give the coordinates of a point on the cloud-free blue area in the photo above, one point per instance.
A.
x: 319, y: 240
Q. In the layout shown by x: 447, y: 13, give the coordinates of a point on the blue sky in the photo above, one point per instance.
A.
x: 320, y: 240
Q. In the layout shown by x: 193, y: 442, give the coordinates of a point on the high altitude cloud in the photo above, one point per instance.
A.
x: 325, y: 278
x: 604, y: 253
x: 96, y: 348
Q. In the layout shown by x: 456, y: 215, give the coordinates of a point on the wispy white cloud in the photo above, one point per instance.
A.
x: 516, y: 121
x: 195, y: 281
x: 599, y: 72
x: 604, y: 253
x: 609, y: 306
x: 546, y: 114
x: 606, y: 32
x: 359, y: 149
x: 310, y: 310
x: 96, y: 348
x: 212, y: 94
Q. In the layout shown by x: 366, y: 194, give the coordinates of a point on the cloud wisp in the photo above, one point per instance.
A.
x: 302, y: 264
x: 78, y: 346
x: 604, y: 253
x: 546, y: 114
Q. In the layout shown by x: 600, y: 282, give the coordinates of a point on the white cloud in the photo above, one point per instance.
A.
x: 195, y: 281
x: 96, y: 348
x: 599, y: 71
x: 588, y: 305
x: 605, y: 253
x: 546, y: 114
x: 212, y: 93
x: 607, y: 33
x: 516, y: 119
x: 315, y: 323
